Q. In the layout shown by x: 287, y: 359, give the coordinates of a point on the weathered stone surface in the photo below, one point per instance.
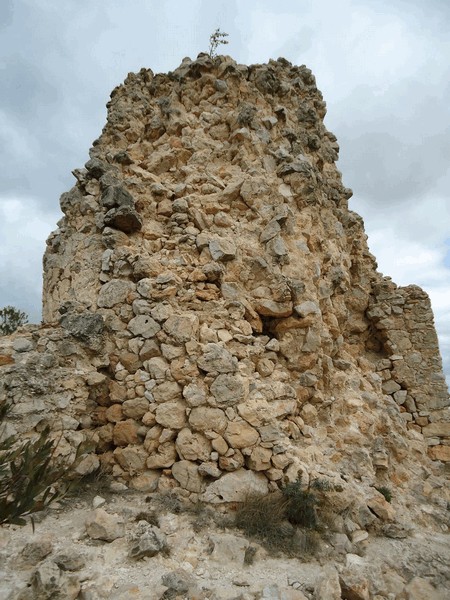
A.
x: 148, y: 541
x: 124, y: 218
x: 35, y: 551
x: 144, y: 325
x: 114, y: 292
x: 164, y: 457
x: 216, y: 358
x: 48, y: 581
x: 259, y: 459
x: 222, y: 250
x: 227, y: 390
x: 419, y: 588
x: 235, y: 487
x: 270, y: 308
x: 381, y: 508
x: 187, y: 475
x: 204, y: 418
x: 192, y: 446
x: 275, y: 348
x: 239, y: 434
x: 237, y: 321
x: 182, y: 328
x: 171, y: 415
x: 328, y: 587
x: 126, y: 432
x: 194, y: 394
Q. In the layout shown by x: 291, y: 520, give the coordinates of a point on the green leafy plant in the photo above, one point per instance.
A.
x: 385, y: 491
x: 301, y: 505
x: 216, y: 39
x: 30, y: 476
x: 10, y: 319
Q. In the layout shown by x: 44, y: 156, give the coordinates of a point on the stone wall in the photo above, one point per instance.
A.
x: 226, y: 325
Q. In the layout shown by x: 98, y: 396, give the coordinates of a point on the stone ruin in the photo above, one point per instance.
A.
x: 213, y: 320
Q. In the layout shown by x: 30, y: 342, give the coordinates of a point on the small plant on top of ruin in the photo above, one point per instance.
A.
x: 30, y: 477
x: 10, y: 319
x: 216, y: 39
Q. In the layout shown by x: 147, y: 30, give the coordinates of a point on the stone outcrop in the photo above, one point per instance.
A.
x: 213, y: 318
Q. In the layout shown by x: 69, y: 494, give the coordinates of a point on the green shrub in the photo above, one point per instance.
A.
x: 301, y: 505
x: 290, y: 520
x: 263, y: 516
x: 29, y: 474
x: 385, y: 491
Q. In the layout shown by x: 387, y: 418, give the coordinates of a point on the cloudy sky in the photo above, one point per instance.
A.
x: 382, y: 65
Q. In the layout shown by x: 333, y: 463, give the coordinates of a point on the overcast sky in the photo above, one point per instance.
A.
x: 382, y: 65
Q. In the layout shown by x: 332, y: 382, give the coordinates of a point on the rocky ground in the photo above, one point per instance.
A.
x: 99, y: 544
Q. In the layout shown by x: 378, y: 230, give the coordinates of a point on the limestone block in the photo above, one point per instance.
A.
x: 166, y: 392
x: 125, y: 433
x: 182, y: 327
x: 209, y: 469
x: 148, y: 540
x: 222, y: 250
x: 270, y: 308
x: 439, y: 429
x: 49, y: 581
x: 117, y: 392
x: 307, y: 308
x: 327, y: 586
x: 144, y: 326
x: 157, y: 367
x: 233, y: 460
x: 203, y: 418
x: 114, y: 413
x: 187, y: 475
x: 235, y: 487
x: 131, y: 459
x: 354, y: 585
x: 219, y: 445
x: 22, y: 345
x: 227, y: 389
x: 390, y: 387
x: 146, y: 481
x: 419, y: 589
x: 265, y: 367
x: 192, y: 446
x: 35, y: 551
x: 239, y: 434
x: 255, y: 411
x: 124, y: 218
x: 381, y: 508
x: 259, y: 459
x: 101, y: 525
x: 171, y: 415
x: 441, y: 453
x: 228, y: 547
x: 135, y: 408
x: 194, y: 394
x: 114, y: 292
x: 164, y: 457
x: 216, y: 358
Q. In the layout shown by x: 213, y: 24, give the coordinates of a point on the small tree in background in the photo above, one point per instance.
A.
x: 10, y: 319
x: 215, y: 40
